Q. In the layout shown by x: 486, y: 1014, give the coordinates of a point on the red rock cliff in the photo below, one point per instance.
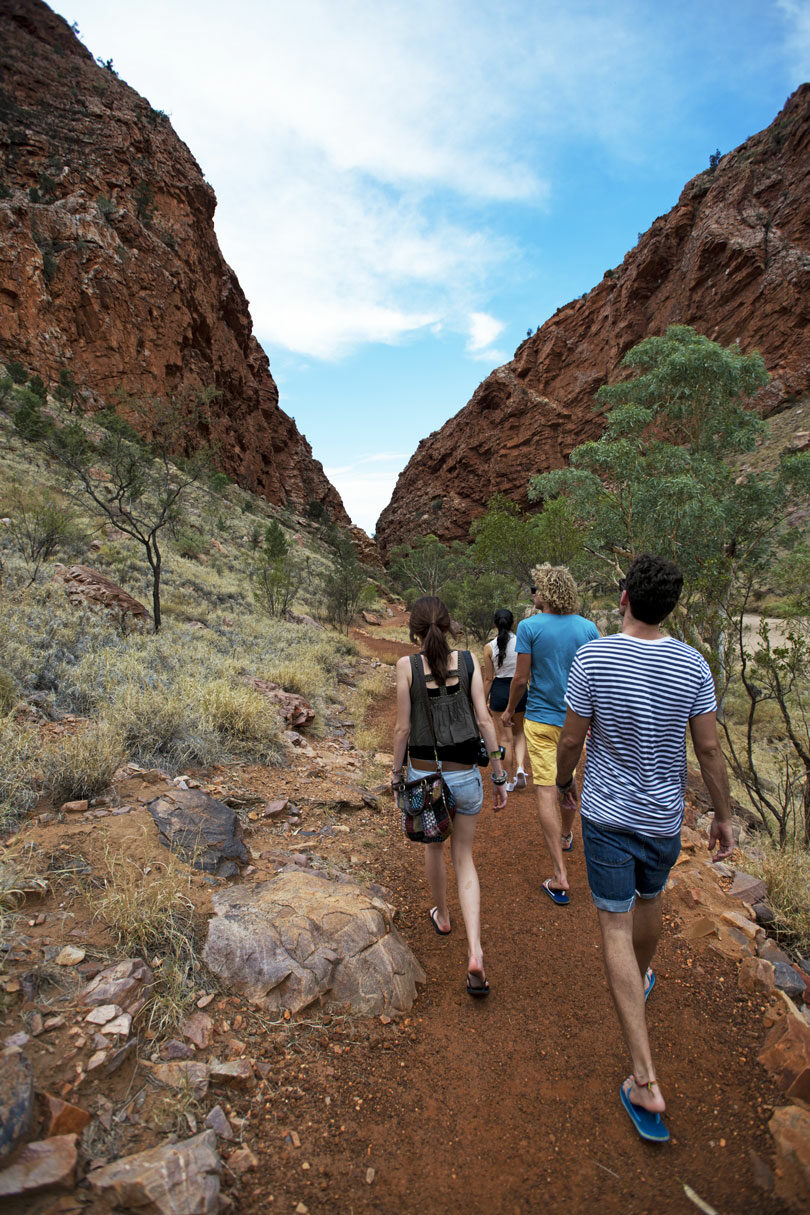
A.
x: 109, y: 264
x: 732, y: 259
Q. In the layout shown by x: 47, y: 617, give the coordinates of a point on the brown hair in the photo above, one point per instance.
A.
x: 429, y: 623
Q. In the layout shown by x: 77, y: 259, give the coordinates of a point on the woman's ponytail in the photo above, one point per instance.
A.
x: 503, y: 621
x: 429, y: 624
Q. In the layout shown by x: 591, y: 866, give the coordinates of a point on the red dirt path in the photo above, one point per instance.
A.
x: 511, y: 1104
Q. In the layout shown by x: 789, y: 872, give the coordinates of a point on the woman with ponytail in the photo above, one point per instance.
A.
x: 500, y: 661
x: 455, y: 693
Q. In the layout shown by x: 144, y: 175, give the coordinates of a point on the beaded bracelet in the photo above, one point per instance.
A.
x: 498, y: 780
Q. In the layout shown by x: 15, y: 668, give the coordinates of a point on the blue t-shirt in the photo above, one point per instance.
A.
x: 552, y: 642
x: 640, y: 696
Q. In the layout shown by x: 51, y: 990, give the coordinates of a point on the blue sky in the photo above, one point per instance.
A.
x: 406, y: 186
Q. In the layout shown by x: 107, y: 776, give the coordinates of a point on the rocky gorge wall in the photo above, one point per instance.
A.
x: 109, y: 264
x: 732, y: 259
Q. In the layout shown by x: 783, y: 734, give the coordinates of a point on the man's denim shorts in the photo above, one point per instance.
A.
x: 623, y: 864
x: 466, y: 784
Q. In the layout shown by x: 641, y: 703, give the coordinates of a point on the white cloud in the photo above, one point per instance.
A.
x: 364, y: 490
x: 797, y: 42
x: 339, y: 138
x: 483, y: 330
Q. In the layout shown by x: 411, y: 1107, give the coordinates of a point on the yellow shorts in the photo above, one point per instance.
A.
x: 541, y: 743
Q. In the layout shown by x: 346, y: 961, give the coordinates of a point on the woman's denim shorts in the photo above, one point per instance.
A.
x: 466, y: 784
x: 624, y: 864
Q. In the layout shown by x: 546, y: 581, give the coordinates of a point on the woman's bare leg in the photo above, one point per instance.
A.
x: 437, y: 879
x: 469, y: 891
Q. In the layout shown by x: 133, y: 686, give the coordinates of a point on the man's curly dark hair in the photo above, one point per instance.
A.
x: 653, y: 587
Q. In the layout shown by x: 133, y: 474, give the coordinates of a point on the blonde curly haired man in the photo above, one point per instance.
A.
x: 545, y: 648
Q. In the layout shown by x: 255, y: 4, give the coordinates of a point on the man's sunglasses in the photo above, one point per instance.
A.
x: 622, y: 585
x: 533, y: 590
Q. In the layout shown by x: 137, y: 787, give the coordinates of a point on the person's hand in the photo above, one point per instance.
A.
x: 506, y: 719
x: 569, y: 799
x: 720, y: 833
x: 498, y: 797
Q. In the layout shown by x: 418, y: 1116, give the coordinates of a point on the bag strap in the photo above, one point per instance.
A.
x: 419, y: 674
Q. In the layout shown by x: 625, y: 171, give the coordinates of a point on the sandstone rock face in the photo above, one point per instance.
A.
x: 111, y: 269
x: 202, y: 830
x: 178, y: 1179
x: 732, y: 259
x: 126, y: 984
x: 48, y: 1164
x: 298, y: 937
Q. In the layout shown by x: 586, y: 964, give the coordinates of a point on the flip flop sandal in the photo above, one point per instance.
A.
x: 443, y: 932
x: 560, y: 897
x: 649, y: 983
x: 477, y: 990
x: 648, y: 1124
x: 568, y: 842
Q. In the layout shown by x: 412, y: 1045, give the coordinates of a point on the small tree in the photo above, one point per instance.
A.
x: 138, y: 483
x: 425, y: 565
x: 346, y: 587
x: 509, y: 541
x: 278, y: 572
x: 39, y: 528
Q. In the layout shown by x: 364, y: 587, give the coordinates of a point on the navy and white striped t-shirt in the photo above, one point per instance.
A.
x: 640, y: 696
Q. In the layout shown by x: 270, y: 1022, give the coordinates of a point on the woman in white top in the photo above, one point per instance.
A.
x: 499, y: 667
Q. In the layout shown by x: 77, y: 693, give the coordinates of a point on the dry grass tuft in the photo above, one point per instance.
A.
x: 786, y: 873
x: 83, y: 764
x: 19, y: 778
x: 152, y: 915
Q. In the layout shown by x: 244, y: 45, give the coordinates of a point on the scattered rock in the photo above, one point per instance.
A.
x: 242, y: 1161
x: 296, y: 711
x: 217, y: 1122
x: 203, y: 831
x: 126, y: 984
x: 120, y: 1027
x: 173, y: 1049
x: 63, y: 1118
x: 78, y: 807
x: 790, y: 1128
x: 46, y: 1164
x: 288, y: 941
x: 749, y: 928
x: 234, y: 1073
x: 86, y: 586
x: 755, y: 976
x: 765, y: 914
x: 770, y: 950
x: 175, y: 1179
x: 788, y: 981
x: 370, y: 618
x: 193, y: 1076
x: 786, y: 1052
x: 103, y: 1014
x: 747, y: 888
x: 273, y: 809
x: 71, y: 955
x: 16, y: 1100
x: 119, y: 1056
x: 199, y: 1029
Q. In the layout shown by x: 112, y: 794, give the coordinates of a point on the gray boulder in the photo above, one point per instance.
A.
x: 16, y: 1099
x: 203, y: 831
x: 297, y: 938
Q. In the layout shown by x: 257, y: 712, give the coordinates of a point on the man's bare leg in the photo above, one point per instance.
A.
x: 548, y: 810
x: 623, y: 966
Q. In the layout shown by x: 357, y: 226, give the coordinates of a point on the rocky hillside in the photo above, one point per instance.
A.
x: 732, y: 259
x: 110, y: 269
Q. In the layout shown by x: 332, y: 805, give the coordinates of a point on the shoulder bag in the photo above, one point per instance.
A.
x: 427, y: 804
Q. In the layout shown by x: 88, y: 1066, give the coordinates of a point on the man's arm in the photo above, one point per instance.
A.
x: 569, y: 747
x: 519, y: 681
x: 703, y: 729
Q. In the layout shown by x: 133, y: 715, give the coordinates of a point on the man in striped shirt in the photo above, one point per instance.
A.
x: 637, y: 691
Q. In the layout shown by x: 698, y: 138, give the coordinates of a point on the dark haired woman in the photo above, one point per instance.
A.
x: 459, y: 715
x: 500, y: 661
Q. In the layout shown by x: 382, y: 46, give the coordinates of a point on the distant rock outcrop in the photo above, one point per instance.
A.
x: 110, y: 269
x: 732, y: 259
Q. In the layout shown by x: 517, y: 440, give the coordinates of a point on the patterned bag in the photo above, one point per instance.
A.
x: 428, y: 808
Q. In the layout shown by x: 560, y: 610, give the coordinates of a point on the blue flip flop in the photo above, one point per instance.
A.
x: 648, y: 1125
x: 560, y: 897
x: 649, y: 983
x: 569, y: 847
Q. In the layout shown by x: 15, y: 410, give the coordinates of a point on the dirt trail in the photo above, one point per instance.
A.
x: 511, y: 1104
